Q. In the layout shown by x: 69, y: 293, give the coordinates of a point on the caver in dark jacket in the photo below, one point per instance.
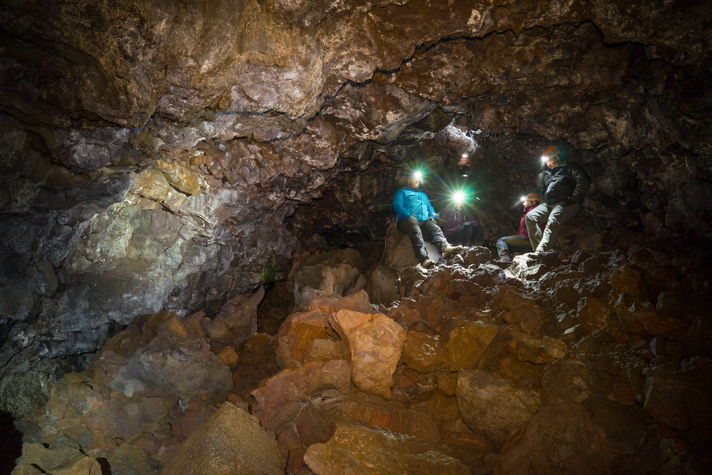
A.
x: 565, y: 182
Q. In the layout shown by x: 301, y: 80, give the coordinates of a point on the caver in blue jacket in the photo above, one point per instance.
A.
x: 408, y: 202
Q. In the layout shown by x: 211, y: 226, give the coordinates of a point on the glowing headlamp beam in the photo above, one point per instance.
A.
x: 458, y: 197
x: 418, y: 175
x: 544, y: 159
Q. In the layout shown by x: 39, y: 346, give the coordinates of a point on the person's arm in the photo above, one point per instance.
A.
x: 431, y: 210
x: 583, y: 183
x: 399, y: 203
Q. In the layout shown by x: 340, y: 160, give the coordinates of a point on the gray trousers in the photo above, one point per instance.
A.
x: 417, y: 230
x: 554, y: 216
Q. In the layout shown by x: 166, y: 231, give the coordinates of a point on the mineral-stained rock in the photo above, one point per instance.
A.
x: 372, y: 411
x: 297, y: 335
x: 629, y: 280
x: 357, y: 302
x: 132, y: 459
x: 468, y: 343
x: 535, y: 350
x: 375, y: 343
x: 523, y: 312
x: 571, y: 378
x: 50, y: 459
x: 281, y: 396
x: 30, y: 470
x: 332, y: 274
x: 494, y: 407
x: 237, y: 320
x: 125, y: 417
x: 231, y: 441
x: 425, y: 353
x: 89, y: 466
x: 561, y: 439
x: 358, y: 450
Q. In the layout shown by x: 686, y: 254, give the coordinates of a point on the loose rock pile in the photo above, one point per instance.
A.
x: 584, y: 363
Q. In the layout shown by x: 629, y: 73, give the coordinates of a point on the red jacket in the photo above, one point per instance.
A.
x: 522, y: 225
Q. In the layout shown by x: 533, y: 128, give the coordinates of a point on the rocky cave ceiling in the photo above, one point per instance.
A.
x: 165, y: 154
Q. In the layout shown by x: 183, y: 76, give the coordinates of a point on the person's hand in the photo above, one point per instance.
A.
x: 432, y: 219
x: 467, y: 223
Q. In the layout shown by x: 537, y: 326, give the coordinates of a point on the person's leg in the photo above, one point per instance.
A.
x: 533, y: 219
x: 502, y: 245
x: 478, y: 233
x: 518, y: 243
x: 410, y: 228
x: 559, y: 216
x: 434, y: 234
x: 455, y: 237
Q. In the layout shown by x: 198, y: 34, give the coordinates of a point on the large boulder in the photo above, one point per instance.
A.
x: 358, y: 450
x: 493, y: 407
x: 331, y: 274
x: 237, y: 320
x: 383, y: 285
x: 232, y: 441
x: 398, y: 253
x: 375, y: 343
x: 279, y: 399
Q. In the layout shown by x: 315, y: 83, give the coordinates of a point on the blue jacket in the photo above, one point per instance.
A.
x: 408, y: 202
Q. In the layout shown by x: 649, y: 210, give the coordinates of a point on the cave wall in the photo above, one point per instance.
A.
x: 153, y: 152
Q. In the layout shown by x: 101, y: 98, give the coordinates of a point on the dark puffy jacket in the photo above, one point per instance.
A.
x: 568, y: 181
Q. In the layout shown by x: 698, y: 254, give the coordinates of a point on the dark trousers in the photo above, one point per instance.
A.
x: 419, y: 230
x: 463, y: 234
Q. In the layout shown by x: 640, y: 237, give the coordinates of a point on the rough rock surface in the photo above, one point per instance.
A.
x: 232, y: 440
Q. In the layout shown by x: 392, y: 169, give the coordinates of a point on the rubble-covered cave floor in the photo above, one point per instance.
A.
x: 574, y: 363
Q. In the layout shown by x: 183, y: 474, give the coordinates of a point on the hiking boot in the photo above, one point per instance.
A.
x: 450, y: 251
x: 505, y: 257
x: 427, y: 264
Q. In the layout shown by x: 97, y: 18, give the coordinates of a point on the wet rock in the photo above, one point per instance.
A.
x: 231, y: 440
x: 332, y: 274
x: 494, y: 407
x: 280, y: 398
x: 561, y: 439
x: 375, y: 343
x: 237, y: 320
x: 467, y: 344
x: 425, y: 353
x: 355, y: 449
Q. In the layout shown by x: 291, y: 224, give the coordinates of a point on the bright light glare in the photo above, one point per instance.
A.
x: 523, y: 198
x: 418, y: 175
x: 458, y: 197
x: 464, y: 155
x: 544, y: 158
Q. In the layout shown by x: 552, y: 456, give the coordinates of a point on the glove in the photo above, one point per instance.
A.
x: 467, y: 223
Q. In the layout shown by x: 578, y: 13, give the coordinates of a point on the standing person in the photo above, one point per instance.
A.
x: 415, y: 218
x: 458, y: 224
x: 564, y: 186
x: 519, y: 242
